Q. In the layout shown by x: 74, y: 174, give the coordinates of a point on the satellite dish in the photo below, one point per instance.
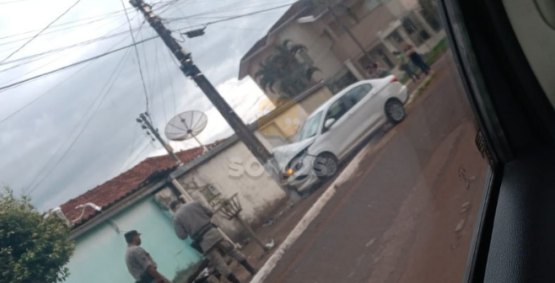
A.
x: 186, y: 125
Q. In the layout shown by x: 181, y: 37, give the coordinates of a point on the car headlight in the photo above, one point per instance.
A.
x: 296, y: 163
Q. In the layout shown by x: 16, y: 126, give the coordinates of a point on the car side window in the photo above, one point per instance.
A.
x: 336, y: 110
x: 358, y: 93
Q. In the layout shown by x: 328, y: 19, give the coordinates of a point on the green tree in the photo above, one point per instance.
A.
x: 284, y: 71
x: 33, y: 247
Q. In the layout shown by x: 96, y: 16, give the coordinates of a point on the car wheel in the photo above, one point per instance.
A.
x: 326, y: 166
x: 395, y: 111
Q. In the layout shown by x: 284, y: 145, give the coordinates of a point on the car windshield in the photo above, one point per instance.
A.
x: 310, y: 127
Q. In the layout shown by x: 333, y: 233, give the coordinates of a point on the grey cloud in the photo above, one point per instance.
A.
x: 29, y: 139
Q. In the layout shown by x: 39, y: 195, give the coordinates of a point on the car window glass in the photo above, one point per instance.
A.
x: 336, y: 110
x: 310, y: 127
x: 358, y: 93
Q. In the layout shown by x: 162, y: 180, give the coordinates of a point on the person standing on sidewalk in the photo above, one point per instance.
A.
x: 376, y: 72
x: 404, y: 65
x: 417, y: 59
x: 139, y: 263
x: 194, y: 219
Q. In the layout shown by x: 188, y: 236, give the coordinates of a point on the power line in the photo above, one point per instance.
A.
x: 29, y: 41
x: 140, y: 153
x: 40, y: 56
x: 92, y: 110
x: 91, y: 41
x: 137, y: 55
x: 106, y: 17
x: 157, y: 71
x: 132, y: 147
x: 3, y: 88
x: 234, y: 17
x: 62, y: 82
x: 171, y: 82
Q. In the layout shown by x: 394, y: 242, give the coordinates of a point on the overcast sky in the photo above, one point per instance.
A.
x: 91, y: 108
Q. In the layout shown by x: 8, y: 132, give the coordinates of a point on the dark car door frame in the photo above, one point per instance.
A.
x: 517, y: 133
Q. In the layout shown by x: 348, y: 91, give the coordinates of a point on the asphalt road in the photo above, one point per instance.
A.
x: 407, y: 215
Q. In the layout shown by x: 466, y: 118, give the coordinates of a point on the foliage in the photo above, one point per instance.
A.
x: 32, y: 248
x: 284, y: 71
x: 437, y: 51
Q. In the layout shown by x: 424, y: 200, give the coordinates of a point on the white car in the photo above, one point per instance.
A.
x: 337, y: 127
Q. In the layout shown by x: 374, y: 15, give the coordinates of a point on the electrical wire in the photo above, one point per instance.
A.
x: 54, y: 30
x: 132, y: 147
x: 56, y: 50
x: 234, y: 17
x: 92, y: 110
x: 36, y: 35
x: 137, y: 55
x: 62, y: 82
x: 40, y: 56
x: 168, y: 72
x: 158, y: 72
x: 6, y: 87
x: 140, y: 153
x: 3, y: 88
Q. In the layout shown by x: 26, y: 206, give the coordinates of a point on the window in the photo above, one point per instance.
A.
x: 358, y: 93
x: 336, y: 110
x: 396, y: 37
x: 310, y: 127
x: 409, y: 26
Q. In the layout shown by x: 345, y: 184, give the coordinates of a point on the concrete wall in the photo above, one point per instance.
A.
x: 366, y: 31
x: 316, y: 99
x: 257, y: 194
x: 99, y: 253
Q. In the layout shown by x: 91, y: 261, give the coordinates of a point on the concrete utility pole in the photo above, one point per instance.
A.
x: 191, y: 70
x: 145, y: 124
x: 143, y: 118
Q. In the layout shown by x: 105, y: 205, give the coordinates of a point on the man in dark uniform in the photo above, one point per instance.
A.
x: 139, y: 263
x: 194, y: 219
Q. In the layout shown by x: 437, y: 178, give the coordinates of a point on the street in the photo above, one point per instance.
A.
x: 408, y: 213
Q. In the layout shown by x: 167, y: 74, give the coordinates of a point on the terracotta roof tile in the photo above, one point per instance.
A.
x: 118, y: 188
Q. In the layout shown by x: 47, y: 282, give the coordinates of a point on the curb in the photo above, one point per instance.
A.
x: 312, y: 213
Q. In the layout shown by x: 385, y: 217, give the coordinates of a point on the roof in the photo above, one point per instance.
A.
x: 118, y: 188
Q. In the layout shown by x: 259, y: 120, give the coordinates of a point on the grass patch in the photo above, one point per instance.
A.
x: 437, y: 51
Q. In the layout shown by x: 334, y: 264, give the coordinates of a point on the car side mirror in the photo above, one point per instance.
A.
x: 329, y: 123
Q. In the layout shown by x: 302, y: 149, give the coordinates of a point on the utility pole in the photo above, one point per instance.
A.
x: 143, y: 118
x: 189, y: 69
x: 147, y: 125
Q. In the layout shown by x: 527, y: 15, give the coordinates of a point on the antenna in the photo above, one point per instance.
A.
x: 186, y: 125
